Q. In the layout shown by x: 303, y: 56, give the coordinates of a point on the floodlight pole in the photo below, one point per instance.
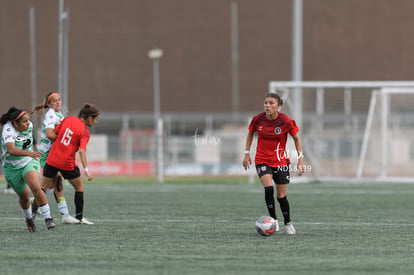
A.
x: 60, y: 47
x: 235, y: 57
x: 297, y: 58
x: 155, y: 55
x: 33, y: 55
x: 32, y: 18
x: 63, y: 68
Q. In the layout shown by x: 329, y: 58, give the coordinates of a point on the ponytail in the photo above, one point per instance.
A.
x: 37, y: 108
x: 45, y: 104
x: 13, y: 114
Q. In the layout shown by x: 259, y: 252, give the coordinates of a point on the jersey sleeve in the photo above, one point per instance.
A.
x: 50, y: 120
x: 293, y: 129
x: 9, y: 134
x: 85, y: 139
x: 252, y: 126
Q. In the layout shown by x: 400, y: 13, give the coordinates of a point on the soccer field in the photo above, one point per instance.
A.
x: 208, y: 228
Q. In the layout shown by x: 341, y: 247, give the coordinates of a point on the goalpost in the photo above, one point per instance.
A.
x: 387, y: 142
x: 353, y: 131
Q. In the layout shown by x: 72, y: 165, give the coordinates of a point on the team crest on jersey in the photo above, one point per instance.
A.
x: 278, y: 130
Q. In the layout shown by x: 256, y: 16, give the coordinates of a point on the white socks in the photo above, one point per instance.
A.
x: 28, y: 213
x: 45, y: 210
x: 63, y: 207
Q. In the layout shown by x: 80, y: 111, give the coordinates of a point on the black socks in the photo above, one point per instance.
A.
x: 270, y: 201
x: 270, y: 204
x: 284, y: 206
x: 79, y: 205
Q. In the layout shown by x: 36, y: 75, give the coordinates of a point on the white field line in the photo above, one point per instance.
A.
x: 232, y: 221
x: 259, y: 189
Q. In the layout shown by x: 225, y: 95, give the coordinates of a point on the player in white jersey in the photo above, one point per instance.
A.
x: 52, y: 118
x: 20, y: 164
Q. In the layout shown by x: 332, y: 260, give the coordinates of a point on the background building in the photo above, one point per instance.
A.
x: 108, y: 42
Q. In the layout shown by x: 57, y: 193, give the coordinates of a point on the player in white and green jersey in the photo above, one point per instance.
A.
x: 51, y: 119
x: 20, y: 164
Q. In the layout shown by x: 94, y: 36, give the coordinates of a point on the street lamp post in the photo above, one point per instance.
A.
x: 63, y: 65
x: 297, y: 70
x: 155, y: 55
x: 235, y: 57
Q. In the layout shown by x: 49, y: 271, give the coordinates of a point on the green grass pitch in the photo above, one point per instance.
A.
x: 208, y: 228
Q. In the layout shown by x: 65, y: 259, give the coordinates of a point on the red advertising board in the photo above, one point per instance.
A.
x: 119, y: 168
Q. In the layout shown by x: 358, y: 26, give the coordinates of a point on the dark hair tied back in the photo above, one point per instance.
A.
x: 88, y: 111
x: 274, y: 95
x: 11, y: 115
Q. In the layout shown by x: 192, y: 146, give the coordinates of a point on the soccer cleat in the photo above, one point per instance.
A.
x: 49, y: 223
x: 289, y: 229
x: 31, y: 225
x: 85, y: 221
x: 69, y: 220
x: 277, y: 225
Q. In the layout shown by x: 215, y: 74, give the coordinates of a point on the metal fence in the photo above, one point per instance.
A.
x: 332, y: 120
x: 193, y: 144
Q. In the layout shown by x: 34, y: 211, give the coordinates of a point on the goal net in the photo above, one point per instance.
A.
x: 388, y: 148
x: 353, y: 131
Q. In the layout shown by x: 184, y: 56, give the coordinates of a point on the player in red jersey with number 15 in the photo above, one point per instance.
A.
x: 272, y: 160
x: 72, y: 135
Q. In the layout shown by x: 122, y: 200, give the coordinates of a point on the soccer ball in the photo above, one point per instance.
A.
x: 265, y: 226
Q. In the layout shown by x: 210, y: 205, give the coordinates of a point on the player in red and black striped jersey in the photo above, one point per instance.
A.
x: 272, y: 159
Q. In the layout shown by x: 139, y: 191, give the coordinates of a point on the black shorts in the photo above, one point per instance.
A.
x: 281, y: 174
x: 50, y: 171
